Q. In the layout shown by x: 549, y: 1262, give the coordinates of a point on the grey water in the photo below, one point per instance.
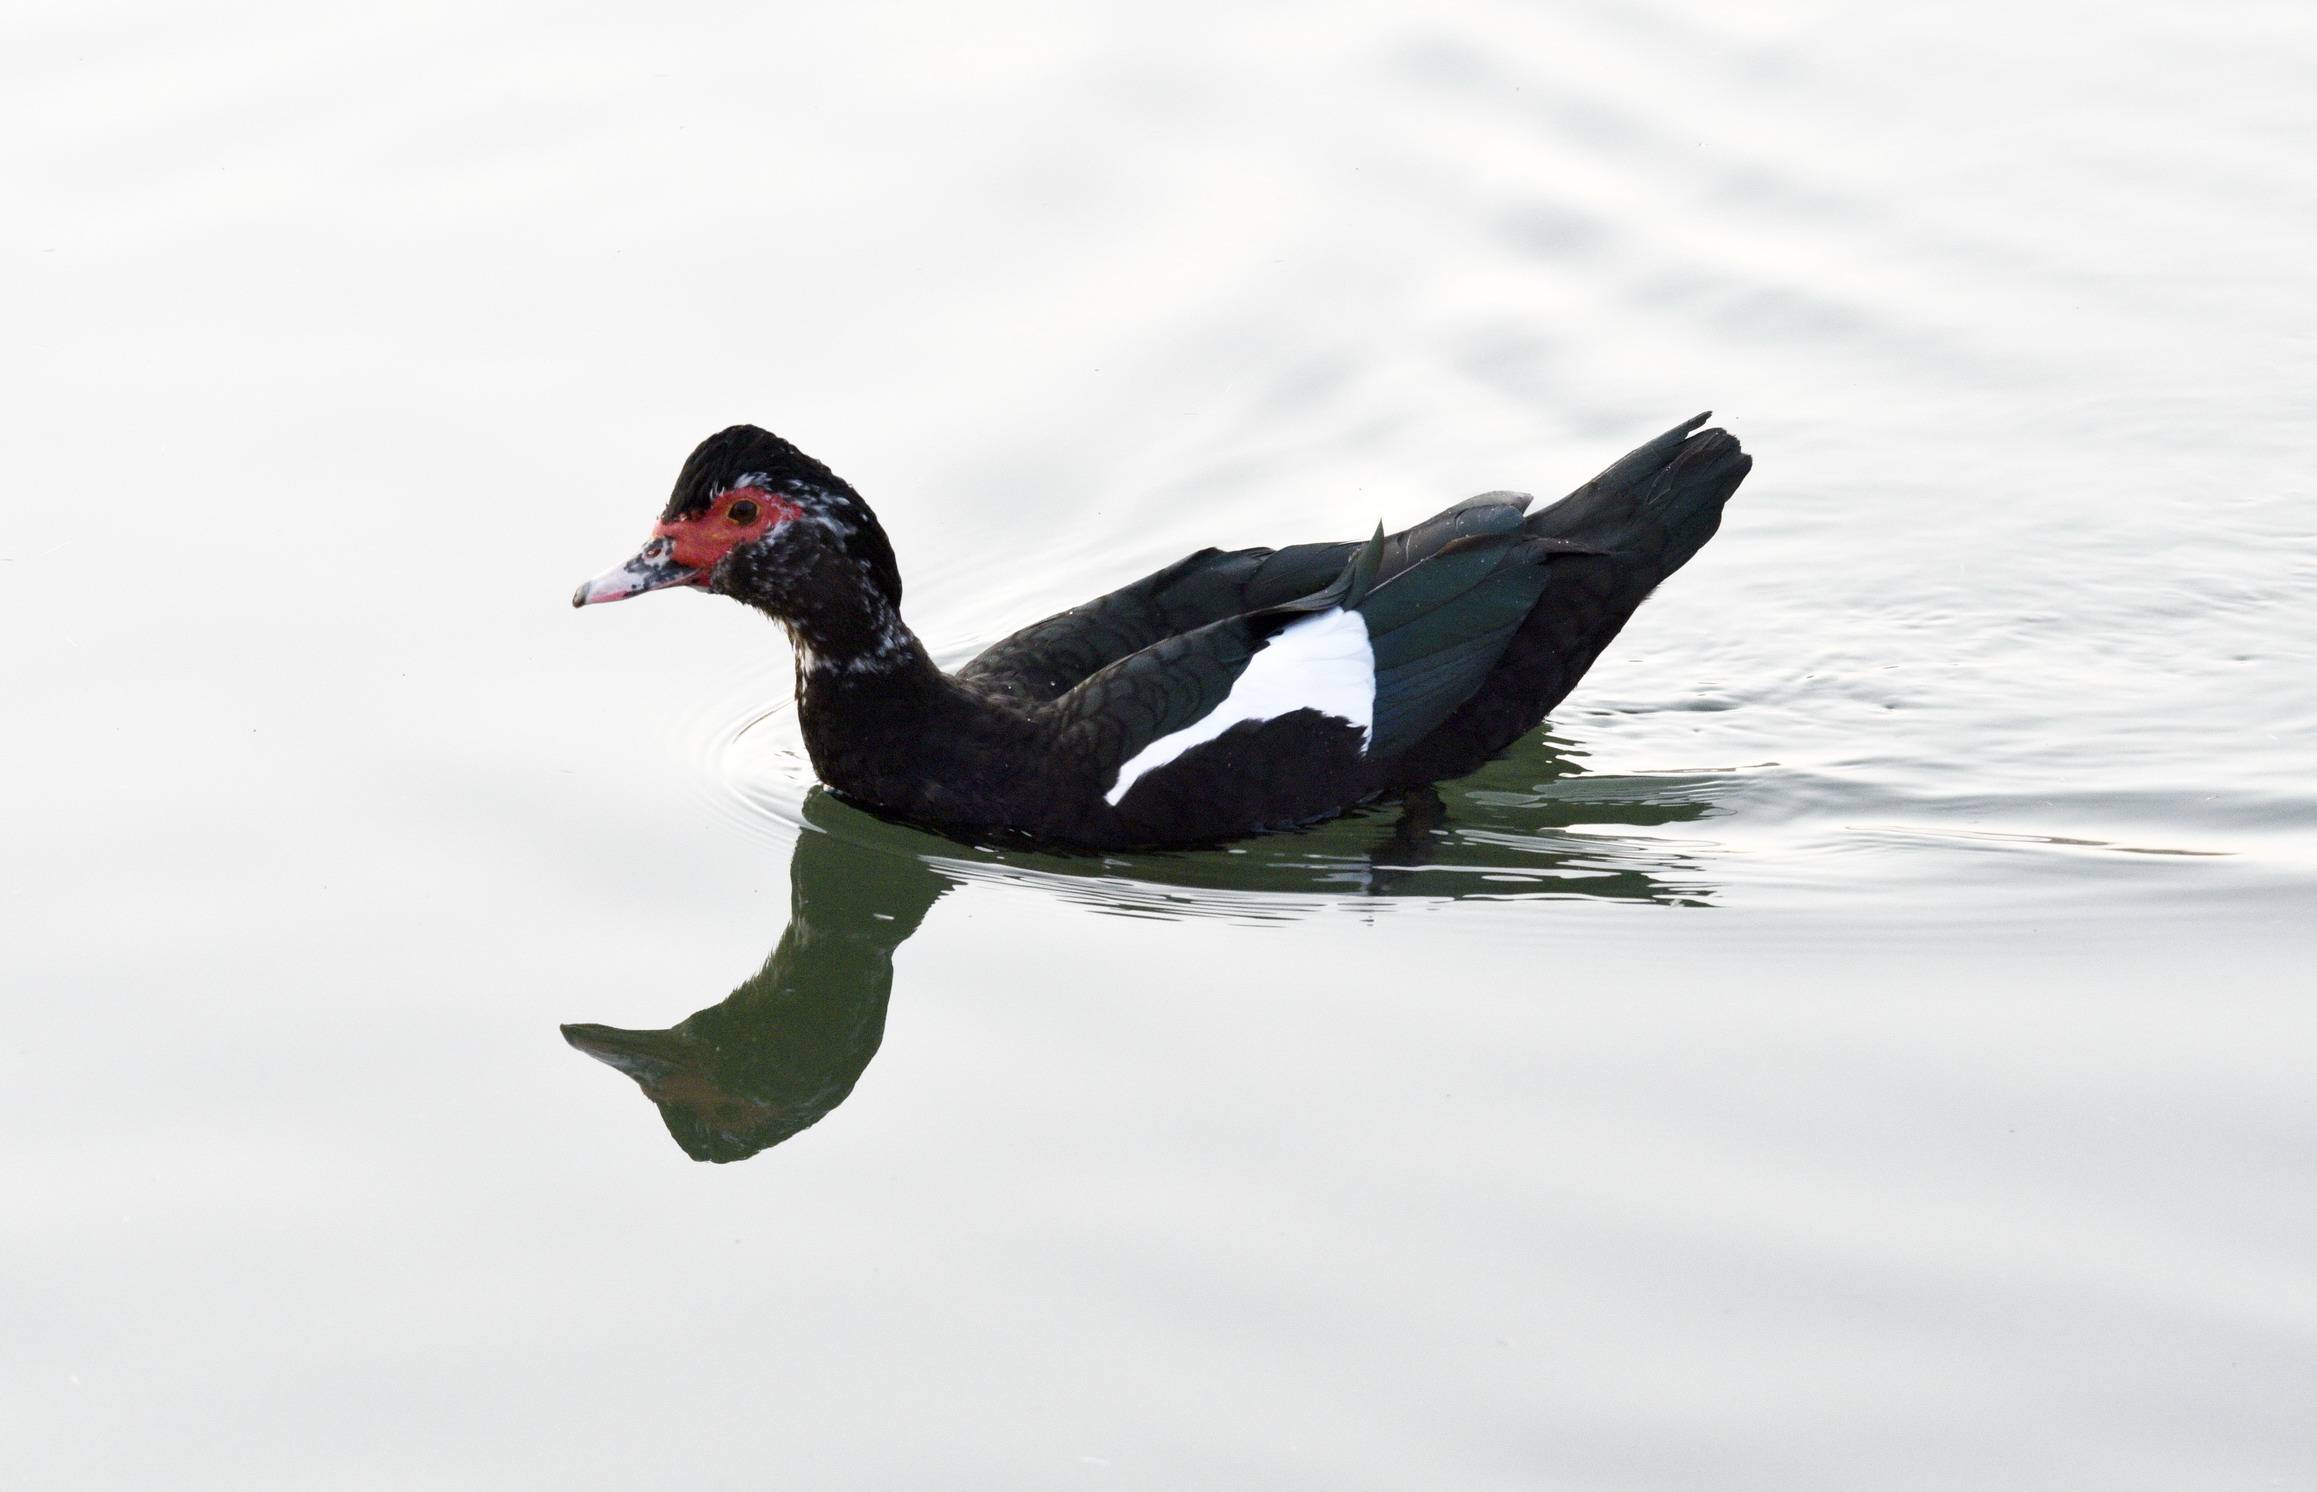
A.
x: 1864, y: 1040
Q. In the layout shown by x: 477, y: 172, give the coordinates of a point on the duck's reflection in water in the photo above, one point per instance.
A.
x: 788, y: 1045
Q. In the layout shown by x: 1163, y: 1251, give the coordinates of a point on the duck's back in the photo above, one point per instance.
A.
x: 1648, y: 513
x: 1048, y: 659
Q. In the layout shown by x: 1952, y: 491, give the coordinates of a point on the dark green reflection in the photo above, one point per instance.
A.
x: 788, y: 1045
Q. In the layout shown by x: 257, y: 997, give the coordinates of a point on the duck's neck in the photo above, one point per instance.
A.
x: 868, y: 698
x: 860, y: 636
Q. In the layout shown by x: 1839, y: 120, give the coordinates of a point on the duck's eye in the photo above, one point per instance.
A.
x: 744, y: 511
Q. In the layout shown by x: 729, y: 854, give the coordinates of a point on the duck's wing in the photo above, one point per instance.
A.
x: 1645, y: 516
x: 1049, y: 658
x: 1438, y: 629
x: 1301, y: 707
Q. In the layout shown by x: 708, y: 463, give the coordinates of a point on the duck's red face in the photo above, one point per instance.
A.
x: 686, y: 549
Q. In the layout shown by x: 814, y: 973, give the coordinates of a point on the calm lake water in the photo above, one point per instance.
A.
x: 1865, y: 1041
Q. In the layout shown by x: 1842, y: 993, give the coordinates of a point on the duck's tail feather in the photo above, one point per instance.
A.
x: 1655, y: 506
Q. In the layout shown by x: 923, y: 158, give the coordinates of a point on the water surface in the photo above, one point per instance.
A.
x: 1862, y: 1041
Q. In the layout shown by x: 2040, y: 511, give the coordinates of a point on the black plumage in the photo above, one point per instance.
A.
x: 1476, y: 623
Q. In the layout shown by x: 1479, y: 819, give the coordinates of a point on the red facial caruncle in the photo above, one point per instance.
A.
x: 686, y: 549
x: 740, y: 516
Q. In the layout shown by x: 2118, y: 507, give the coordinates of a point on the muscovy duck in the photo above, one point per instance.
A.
x: 1228, y: 693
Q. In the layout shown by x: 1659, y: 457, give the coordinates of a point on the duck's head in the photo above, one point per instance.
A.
x: 754, y: 518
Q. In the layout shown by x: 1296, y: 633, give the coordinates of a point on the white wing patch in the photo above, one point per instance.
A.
x: 1323, y: 663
